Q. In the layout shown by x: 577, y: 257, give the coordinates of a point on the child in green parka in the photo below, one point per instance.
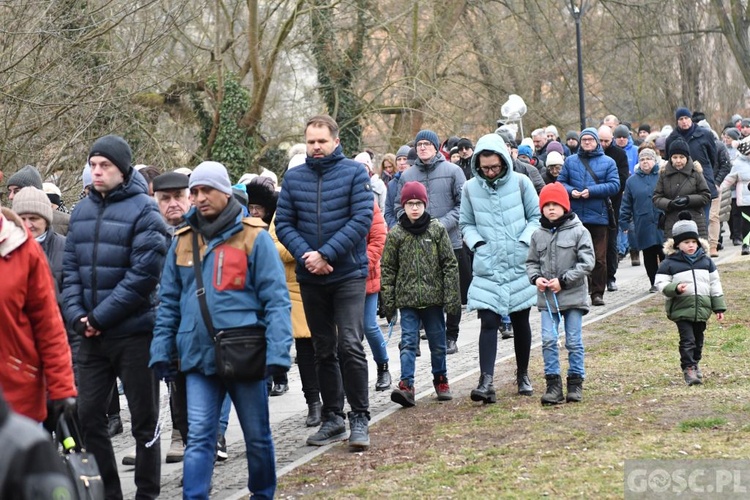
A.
x: 420, y: 279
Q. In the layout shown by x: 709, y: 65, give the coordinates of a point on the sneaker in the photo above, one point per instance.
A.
x: 221, y: 449
x: 653, y: 289
x: 451, y: 347
x: 129, y: 459
x: 611, y: 286
x: 691, y: 378
x: 736, y: 242
x: 359, y: 432
x: 279, y: 389
x: 597, y: 300
x: 698, y: 373
x: 442, y: 388
x: 745, y: 250
x: 114, y: 426
x: 403, y: 395
x: 331, y: 430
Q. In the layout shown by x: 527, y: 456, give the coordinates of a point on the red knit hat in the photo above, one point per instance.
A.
x: 554, y: 193
x: 413, y: 190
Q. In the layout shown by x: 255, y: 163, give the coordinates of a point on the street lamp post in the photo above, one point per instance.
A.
x: 577, y: 11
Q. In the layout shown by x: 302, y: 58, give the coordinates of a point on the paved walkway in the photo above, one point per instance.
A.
x: 288, y: 412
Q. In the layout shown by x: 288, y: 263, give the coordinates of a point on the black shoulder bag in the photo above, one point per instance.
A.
x: 240, y: 353
x: 611, y: 218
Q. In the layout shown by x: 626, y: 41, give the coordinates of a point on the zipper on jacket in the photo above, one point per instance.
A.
x: 94, y: 291
x: 221, y: 267
x: 320, y: 193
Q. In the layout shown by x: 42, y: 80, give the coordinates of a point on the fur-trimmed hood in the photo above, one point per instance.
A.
x: 670, y: 249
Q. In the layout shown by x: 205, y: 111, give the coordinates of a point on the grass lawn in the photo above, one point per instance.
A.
x: 636, y: 405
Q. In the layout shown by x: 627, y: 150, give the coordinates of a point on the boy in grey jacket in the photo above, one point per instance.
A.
x: 561, y: 255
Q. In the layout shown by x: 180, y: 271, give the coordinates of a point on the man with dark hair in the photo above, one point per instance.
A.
x: 465, y: 151
x: 323, y: 215
x: 114, y: 255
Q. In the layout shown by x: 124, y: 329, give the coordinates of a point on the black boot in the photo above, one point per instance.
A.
x: 575, y: 389
x: 384, y: 378
x: 554, y: 394
x: 485, y: 391
x: 313, y: 414
x: 524, y: 384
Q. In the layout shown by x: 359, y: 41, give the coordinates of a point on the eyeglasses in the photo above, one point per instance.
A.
x: 414, y: 204
x: 491, y: 168
x: 424, y: 144
x: 588, y: 139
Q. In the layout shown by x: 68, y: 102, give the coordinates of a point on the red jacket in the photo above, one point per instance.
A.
x: 375, y: 246
x: 35, y: 359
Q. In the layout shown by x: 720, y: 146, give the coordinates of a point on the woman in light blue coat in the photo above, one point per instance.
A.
x: 499, y: 213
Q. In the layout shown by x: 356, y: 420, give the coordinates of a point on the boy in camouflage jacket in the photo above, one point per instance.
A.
x: 420, y: 278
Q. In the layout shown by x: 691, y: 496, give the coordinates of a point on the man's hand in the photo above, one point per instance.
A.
x: 65, y: 406
x: 165, y: 371
x: 585, y: 193
x: 316, y: 264
x: 89, y: 331
x: 575, y: 193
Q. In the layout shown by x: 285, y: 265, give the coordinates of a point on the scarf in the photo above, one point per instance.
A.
x: 554, y: 226
x: 688, y: 132
x: 226, y: 219
x: 692, y: 259
x: 417, y: 227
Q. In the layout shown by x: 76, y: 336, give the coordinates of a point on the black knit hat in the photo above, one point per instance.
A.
x: 679, y: 147
x: 464, y: 143
x: 115, y: 149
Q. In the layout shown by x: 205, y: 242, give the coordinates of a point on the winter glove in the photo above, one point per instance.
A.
x: 389, y: 315
x: 65, y: 406
x: 276, y: 370
x: 79, y: 327
x: 165, y: 371
x: 681, y: 201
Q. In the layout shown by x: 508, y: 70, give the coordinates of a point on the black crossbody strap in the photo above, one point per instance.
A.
x: 200, y: 291
x: 585, y: 162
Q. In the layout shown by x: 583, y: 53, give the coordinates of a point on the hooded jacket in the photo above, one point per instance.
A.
x: 497, y: 220
x: 35, y: 359
x: 575, y: 176
x: 704, y: 294
x: 566, y: 253
x: 688, y: 182
x: 631, y: 150
x: 739, y: 177
x: 638, y: 207
x: 444, y: 182
x: 114, y: 254
x: 326, y: 205
x: 245, y: 286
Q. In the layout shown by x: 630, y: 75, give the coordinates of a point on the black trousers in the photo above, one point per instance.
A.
x: 598, y: 278
x: 306, y: 365
x: 652, y: 257
x: 465, y: 274
x: 691, y: 342
x: 178, y: 405
x: 100, y: 361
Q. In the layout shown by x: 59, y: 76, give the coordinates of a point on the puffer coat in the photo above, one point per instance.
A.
x: 638, y: 207
x: 689, y: 182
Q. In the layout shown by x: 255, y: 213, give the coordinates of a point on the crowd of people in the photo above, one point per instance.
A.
x: 150, y: 272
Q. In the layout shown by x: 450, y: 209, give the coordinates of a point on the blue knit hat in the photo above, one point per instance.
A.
x: 589, y: 131
x: 525, y: 150
x: 212, y: 174
x: 427, y: 135
x: 683, y: 111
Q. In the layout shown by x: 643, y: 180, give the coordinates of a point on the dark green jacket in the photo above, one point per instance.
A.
x: 419, y: 271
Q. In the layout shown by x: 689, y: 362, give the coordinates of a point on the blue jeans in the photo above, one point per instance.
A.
x: 573, y: 342
x: 226, y: 407
x: 205, y: 395
x: 373, y: 333
x: 433, y: 320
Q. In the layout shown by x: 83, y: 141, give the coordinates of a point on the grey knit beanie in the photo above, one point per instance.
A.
x: 402, y: 151
x: 27, y: 176
x: 685, y: 228
x: 213, y: 174
x: 31, y: 200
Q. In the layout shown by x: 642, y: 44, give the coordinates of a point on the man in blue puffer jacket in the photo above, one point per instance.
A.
x: 113, y: 257
x: 588, y: 199
x: 323, y: 215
